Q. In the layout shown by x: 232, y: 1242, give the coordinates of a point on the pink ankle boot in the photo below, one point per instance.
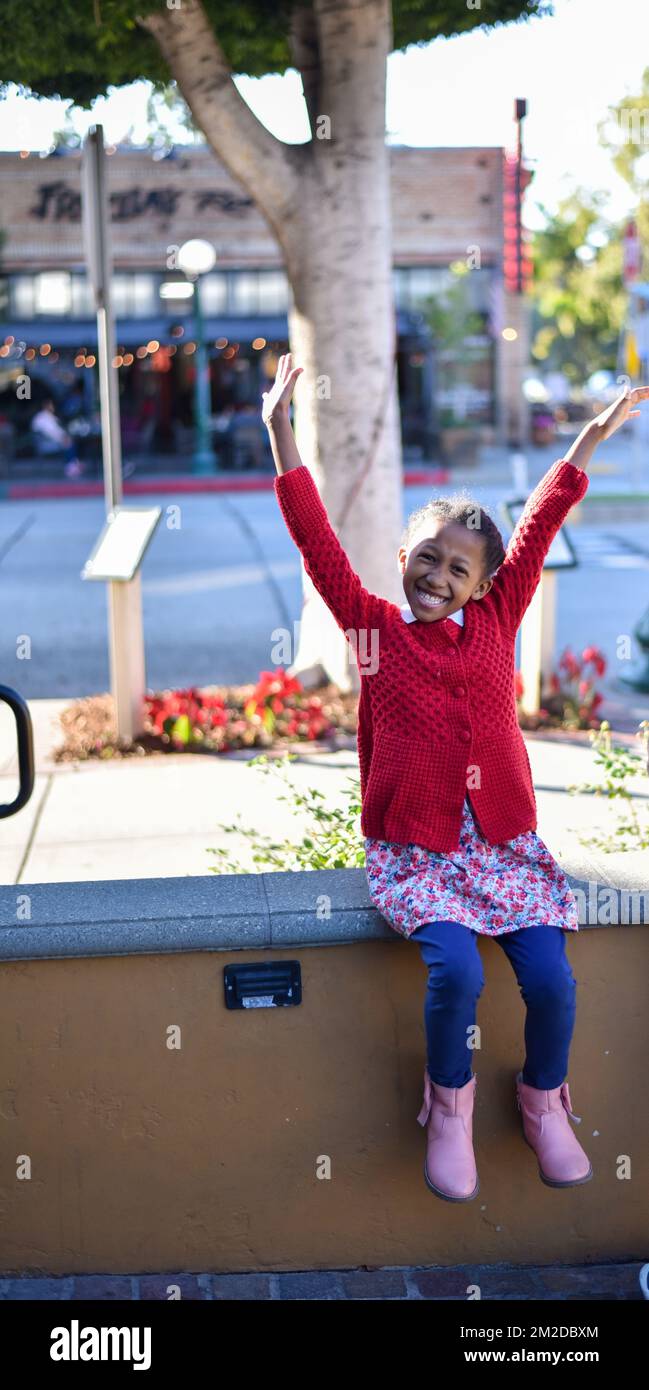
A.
x: 449, y: 1166
x: 562, y: 1161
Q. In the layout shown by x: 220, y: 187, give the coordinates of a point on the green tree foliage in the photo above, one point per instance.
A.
x: 579, y: 304
x: 80, y: 48
x: 625, y: 133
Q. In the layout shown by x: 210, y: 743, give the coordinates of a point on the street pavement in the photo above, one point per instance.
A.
x: 618, y: 1281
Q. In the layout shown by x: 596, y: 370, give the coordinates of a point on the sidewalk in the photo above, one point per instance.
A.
x: 440, y: 1284
x: 158, y: 817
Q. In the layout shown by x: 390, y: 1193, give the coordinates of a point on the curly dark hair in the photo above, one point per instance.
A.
x: 461, y: 507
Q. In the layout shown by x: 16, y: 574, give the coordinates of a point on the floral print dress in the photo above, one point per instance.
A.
x: 490, y: 888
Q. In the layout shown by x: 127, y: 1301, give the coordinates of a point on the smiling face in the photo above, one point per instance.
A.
x: 443, y: 568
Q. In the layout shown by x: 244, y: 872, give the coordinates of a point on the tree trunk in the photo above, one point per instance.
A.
x: 342, y: 331
x: 328, y: 203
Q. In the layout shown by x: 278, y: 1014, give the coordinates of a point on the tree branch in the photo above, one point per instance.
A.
x: 266, y: 167
x: 303, y: 41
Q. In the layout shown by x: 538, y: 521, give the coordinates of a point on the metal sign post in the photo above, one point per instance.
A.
x: 96, y: 224
x: 126, y: 636
x: 117, y: 557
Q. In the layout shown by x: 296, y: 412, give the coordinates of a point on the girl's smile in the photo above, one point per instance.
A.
x: 429, y: 600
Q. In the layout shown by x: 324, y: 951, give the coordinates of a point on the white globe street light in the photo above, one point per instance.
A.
x: 196, y: 258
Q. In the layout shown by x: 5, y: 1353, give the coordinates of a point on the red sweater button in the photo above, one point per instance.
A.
x: 465, y: 735
x: 460, y: 690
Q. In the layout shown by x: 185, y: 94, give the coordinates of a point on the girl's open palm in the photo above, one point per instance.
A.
x: 277, y: 399
x: 609, y: 420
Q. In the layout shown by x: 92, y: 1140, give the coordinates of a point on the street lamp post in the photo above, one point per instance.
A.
x: 196, y: 258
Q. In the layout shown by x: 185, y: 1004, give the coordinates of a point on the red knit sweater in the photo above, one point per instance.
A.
x: 437, y: 710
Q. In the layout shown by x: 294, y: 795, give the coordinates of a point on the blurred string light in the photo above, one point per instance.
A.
x: 258, y: 343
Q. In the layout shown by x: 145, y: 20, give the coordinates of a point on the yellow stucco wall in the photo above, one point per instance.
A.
x: 205, y: 1158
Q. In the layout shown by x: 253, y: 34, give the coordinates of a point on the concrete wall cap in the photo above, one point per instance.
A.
x: 230, y: 912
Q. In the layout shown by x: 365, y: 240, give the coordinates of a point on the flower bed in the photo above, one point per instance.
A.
x: 277, y: 712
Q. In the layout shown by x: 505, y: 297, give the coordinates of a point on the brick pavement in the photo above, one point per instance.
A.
x: 560, y: 1283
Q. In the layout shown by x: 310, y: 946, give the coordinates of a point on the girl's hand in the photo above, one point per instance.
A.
x: 609, y: 420
x: 276, y: 401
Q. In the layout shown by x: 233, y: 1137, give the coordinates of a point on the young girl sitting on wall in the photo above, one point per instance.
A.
x: 448, y: 807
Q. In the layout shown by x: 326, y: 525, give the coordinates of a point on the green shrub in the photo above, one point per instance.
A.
x: 333, y: 839
x: 619, y: 764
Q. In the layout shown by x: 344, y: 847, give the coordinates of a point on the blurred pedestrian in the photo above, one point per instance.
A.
x: 51, y: 440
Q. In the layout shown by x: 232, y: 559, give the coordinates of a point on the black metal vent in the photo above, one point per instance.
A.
x: 272, y: 984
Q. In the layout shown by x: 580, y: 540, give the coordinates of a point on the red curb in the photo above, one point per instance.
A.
x: 21, y: 491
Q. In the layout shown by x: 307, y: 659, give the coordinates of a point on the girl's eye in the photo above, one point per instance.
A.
x: 457, y: 568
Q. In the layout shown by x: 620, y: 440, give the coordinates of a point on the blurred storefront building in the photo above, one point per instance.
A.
x: 453, y: 310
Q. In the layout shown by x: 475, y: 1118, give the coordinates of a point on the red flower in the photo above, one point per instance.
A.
x: 594, y: 655
x: 569, y: 663
x: 275, y: 683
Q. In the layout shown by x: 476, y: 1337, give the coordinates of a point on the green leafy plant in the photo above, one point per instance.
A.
x: 450, y: 314
x: 619, y: 765
x: 333, y: 840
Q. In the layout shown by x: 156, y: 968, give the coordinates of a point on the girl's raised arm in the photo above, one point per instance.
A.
x: 354, y: 608
x: 547, y: 508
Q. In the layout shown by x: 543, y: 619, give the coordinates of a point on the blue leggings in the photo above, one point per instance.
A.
x: 455, y: 981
